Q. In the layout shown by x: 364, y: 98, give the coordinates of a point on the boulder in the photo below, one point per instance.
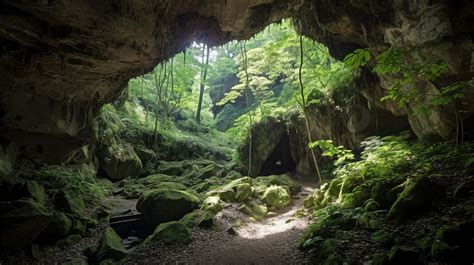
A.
x: 164, y: 205
x: 21, y: 222
x: 60, y: 226
x: 254, y: 209
x: 27, y: 189
x: 415, y: 198
x: 200, y: 218
x: 276, y: 196
x: 110, y: 246
x: 119, y: 161
x: 403, y: 255
x: 171, y: 232
x: 71, y: 202
x: 243, y: 192
x: 280, y: 180
x: 213, y: 204
x: 145, y: 154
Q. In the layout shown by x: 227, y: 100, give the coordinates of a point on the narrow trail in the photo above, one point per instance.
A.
x: 272, y: 240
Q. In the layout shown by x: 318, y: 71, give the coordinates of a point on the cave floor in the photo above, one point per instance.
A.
x: 272, y: 240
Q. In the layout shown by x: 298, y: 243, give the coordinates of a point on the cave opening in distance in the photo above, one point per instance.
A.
x: 280, y: 160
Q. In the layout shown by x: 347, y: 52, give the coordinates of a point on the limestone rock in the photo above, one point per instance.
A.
x: 416, y: 198
x: 71, y: 202
x: 164, y: 205
x: 171, y: 232
x: 110, y: 246
x: 276, y: 196
x: 200, y: 218
x: 60, y: 226
x: 119, y: 161
x: 21, y: 222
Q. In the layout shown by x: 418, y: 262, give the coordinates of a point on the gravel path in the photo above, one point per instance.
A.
x: 270, y: 241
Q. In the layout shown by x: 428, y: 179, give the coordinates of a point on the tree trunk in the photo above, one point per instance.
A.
x: 203, y: 81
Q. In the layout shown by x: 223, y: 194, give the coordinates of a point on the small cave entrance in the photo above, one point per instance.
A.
x: 279, y: 161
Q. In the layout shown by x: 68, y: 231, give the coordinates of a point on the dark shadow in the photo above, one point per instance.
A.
x: 279, y: 161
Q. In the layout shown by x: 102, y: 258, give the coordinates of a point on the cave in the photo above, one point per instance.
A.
x: 280, y: 160
x: 105, y: 157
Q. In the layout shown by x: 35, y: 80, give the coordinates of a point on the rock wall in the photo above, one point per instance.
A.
x: 61, y: 60
x: 428, y: 29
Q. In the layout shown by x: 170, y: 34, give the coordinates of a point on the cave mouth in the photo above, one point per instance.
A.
x: 280, y: 160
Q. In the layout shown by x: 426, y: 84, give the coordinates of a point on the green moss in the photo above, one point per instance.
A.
x: 110, y: 246
x: 21, y: 222
x: 380, y: 259
x: 36, y: 191
x: 171, y: 232
x: 280, y: 180
x: 243, y: 192
x: 60, y: 226
x: 276, y: 196
x: 403, y: 255
x: 199, y: 218
x: 416, y: 198
x: 253, y: 209
x: 71, y: 202
x: 212, y: 204
x: 163, y: 205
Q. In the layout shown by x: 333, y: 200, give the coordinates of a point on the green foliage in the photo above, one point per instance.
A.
x: 341, y: 154
x: 82, y: 181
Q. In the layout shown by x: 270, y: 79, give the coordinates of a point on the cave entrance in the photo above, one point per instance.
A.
x: 279, y: 161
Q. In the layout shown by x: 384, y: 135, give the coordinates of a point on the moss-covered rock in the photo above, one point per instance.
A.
x: 199, y: 218
x: 78, y: 226
x: 263, y: 143
x: 71, y: 202
x: 171, y: 232
x: 145, y: 154
x: 380, y: 259
x: 328, y: 247
x: 243, y: 192
x: 276, y: 196
x: 110, y: 246
x: 280, y: 180
x: 212, y: 204
x: 385, y: 193
x: 164, y: 205
x: 21, y: 222
x: 403, y: 255
x: 26, y: 189
x: 253, y: 209
x: 60, y: 226
x: 119, y: 161
x: 415, y: 198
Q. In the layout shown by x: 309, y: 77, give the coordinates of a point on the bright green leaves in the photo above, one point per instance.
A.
x: 341, y: 154
x: 359, y: 58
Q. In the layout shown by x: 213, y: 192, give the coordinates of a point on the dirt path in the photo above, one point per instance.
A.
x: 270, y: 241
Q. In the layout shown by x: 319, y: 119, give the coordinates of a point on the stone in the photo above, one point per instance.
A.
x: 253, y: 209
x: 26, y: 189
x: 145, y: 154
x: 276, y: 196
x: 119, y: 161
x: 164, y: 205
x: 110, y: 246
x: 243, y: 192
x: 60, y: 226
x: 212, y: 204
x: 416, y: 198
x: 21, y: 222
x: 71, y: 202
x: 171, y: 232
x: 380, y: 259
x: 91, y: 251
x: 263, y: 144
x: 200, y: 218
x: 403, y: 255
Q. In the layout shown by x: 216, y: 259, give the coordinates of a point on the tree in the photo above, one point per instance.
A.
x: 203, y: 81
x: 302, y: 104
